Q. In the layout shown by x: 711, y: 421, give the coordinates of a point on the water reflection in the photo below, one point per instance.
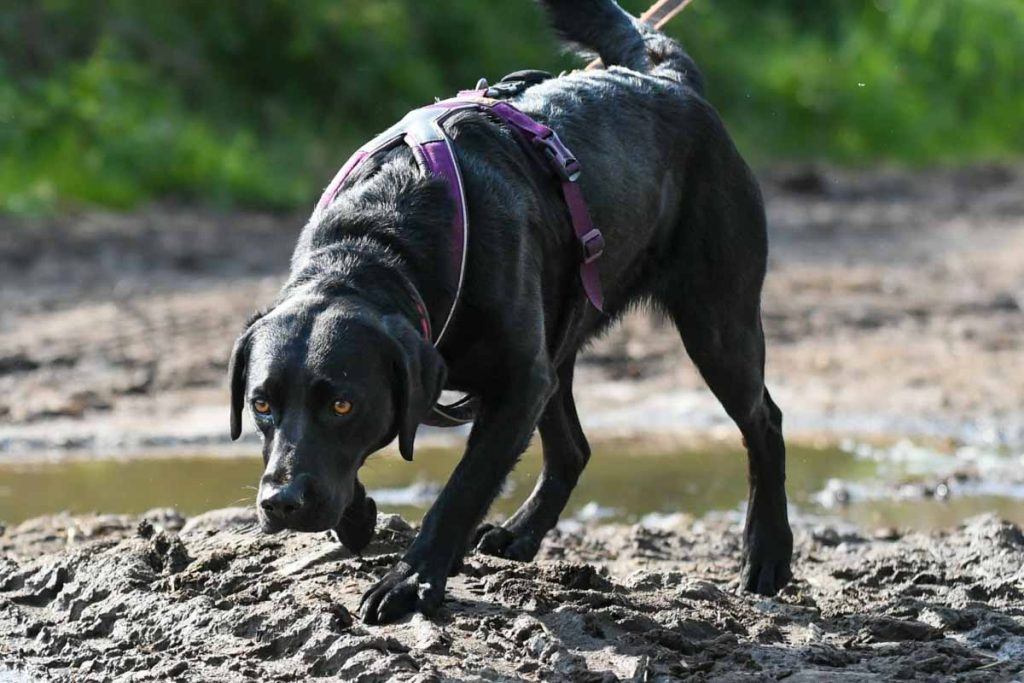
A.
x: 616, y: 485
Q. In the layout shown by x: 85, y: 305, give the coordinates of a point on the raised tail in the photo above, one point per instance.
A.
x: 603, y: 28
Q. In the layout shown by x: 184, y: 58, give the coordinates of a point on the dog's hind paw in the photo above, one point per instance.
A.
x: 767, y: 554
x: 765, y: 578
x: 501, y: 542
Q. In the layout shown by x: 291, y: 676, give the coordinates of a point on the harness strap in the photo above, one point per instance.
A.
x: 421, y: 130
x: 567, y: 169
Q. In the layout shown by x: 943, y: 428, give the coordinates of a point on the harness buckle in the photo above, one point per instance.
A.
x: 592, y: 244
x: 561, y: 159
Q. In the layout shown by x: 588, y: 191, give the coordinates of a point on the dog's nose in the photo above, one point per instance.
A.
x: 284, y: 503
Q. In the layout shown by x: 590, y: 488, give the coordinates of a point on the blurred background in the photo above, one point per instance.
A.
x: 253, y: 104
x: 158, y: 159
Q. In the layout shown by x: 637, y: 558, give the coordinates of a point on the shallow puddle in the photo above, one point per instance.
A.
x: 617, y: 486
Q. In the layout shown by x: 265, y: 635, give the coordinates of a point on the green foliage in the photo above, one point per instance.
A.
x: 913, y: 81
x: 114, y: 102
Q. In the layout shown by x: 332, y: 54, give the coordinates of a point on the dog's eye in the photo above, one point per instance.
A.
x: 342, y: 407
x: 260, y: 406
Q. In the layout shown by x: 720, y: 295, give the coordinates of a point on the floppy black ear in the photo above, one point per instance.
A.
x: 238, y: 368
x: 358, y: 521
x: 421, y: 375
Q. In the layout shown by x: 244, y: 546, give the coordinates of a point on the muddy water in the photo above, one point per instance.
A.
x: 861, y: 488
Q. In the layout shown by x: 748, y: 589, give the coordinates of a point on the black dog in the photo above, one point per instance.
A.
x: 338, y: 366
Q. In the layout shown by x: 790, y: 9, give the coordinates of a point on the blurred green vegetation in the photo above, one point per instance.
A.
x: 256, y: 103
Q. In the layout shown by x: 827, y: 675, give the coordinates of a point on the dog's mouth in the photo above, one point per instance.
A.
x: 354, y: 527
x: 267, y: 525
x: 307, y: 524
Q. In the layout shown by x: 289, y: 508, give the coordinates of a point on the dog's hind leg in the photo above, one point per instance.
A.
x: 727, y: 346
x: 566, y: 453
x: 713, y: 296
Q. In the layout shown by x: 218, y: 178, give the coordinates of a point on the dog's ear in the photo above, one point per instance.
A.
x: 420, y: 374
x: 358, y: 521
x: 238, y: 368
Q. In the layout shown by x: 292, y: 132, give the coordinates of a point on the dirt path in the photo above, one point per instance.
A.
x: 893, y: 306
x: 99, y: 598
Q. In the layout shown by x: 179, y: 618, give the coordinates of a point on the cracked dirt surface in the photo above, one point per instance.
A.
x: 164, y: 598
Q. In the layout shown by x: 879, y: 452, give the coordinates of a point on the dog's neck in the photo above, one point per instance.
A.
x: 386, y: 236
x: 361, y: 268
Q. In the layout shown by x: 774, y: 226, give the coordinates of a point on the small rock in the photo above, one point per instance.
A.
x: 523, y: 627
x: 393, y: 523
x: 825, y: 676
x: 694, y: 589
x: 167, y: 519
x: 430, y: 637
x: 145, y: 529
x: 888, y: 629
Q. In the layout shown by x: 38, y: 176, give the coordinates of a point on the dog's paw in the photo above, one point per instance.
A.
x: 765, y: 578
x: 404, y: 590
x: 766, y: 561
x: 507, y: 543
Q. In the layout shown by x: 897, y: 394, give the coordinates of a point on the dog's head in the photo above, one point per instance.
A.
x: 328, y: 383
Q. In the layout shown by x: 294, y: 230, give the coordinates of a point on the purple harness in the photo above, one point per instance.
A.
x: 422, y: 130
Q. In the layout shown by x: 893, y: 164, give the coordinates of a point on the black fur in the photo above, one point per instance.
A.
x: 685, y: 228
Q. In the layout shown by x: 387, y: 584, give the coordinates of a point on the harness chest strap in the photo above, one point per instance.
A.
x: 421, y: 129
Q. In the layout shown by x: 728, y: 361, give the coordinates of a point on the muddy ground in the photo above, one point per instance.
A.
x: 893, y: 306
x: 162, y: 598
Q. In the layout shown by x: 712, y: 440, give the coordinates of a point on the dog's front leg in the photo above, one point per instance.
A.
x: 500, y: 434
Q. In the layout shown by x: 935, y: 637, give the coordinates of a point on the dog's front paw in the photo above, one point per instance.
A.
x: 510, y: 544
x: 404, y: 590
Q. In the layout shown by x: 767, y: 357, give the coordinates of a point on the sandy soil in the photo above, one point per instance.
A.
x: 893, y: 307
x: 102, y: 598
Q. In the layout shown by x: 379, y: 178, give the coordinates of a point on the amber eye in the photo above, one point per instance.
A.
x: 342, y: 407
x: 260, y: 406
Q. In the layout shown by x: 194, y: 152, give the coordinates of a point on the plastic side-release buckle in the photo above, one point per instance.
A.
x: 562, y: 161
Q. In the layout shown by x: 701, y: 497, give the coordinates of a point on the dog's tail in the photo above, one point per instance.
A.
x: 604, y: 28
